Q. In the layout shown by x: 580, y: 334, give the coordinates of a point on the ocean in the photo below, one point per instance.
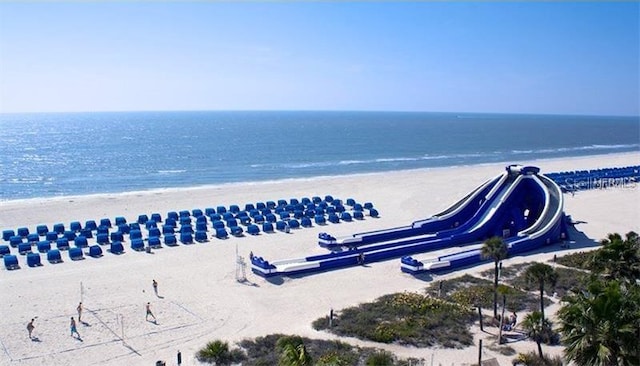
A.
x: 61, y: 154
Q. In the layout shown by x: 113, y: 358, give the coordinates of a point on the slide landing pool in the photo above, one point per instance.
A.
x: 520, y: 205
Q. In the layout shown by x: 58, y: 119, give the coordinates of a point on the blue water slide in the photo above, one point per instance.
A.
x: 547, y: 228
x: 508, y: 203
x: 452, y: 217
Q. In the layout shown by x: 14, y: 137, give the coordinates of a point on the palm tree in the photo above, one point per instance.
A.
x: 540, y: 273
x: 496, y: 249
x: 600, y: 326
x: 293, y: 352
x: 538, y: 328
x: 618, y: 258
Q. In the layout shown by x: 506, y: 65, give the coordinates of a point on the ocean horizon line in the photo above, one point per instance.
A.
x: 461, y: 113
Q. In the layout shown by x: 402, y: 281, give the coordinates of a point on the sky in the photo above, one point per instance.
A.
x: 481, y: 57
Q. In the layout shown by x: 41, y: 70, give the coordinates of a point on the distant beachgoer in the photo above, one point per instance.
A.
x: 155, y: 287
x: 72, y: 325
x: 31, y: 327
x: 361, y: 258
x: 251, y: 255
x: 179, y: 358
x: 79, y: 309
x: 149, y: 313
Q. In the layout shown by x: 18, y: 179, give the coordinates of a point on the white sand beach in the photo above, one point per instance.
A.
x: 200, y: 297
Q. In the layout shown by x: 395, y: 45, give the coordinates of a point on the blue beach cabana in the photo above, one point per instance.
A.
x: 59, y: 228
x: 33, y: 260
x: 221, y: 233
x: 170, y: 240
x: 44, y: 246
x: 116, y: 248
x: 15, y: 240
x: 51, y: 236
x: 76, y: 254
x: 137, y: 245
x: 62, y: 243
x: 154, y: 242
x: 24, y: 248
x: 81, y: 242
x: 6, y: 234
x: 4, y: 250
x: 95, y: 251
x: 54, y: 256
x: 23, y: 231
x: 11, y: 262
x: 42, y: 230
x: 75, y: 226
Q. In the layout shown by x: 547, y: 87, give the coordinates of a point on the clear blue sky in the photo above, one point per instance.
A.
x: 520, y: 57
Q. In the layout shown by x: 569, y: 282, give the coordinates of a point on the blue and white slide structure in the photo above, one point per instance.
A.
x: 548, y: 227
x: 519, y: 205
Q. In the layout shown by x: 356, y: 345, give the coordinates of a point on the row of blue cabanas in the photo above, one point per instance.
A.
x: 154, y: 231
x: 596, y: 178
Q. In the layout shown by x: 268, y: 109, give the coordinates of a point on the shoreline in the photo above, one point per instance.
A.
x: 201, y: 299
x: 154, y: 191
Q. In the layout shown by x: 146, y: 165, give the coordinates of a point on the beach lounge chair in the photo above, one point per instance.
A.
x: 201, y: 236
x: 368, y: 205
x: 51, y: 236
x: 201, y: 226
x: 54, y: 256
x: 253, y: 229
x: 7, y: 234
x: 208, y: 211
x: 62, y: 243
x: 170, y: 240
x: 44, y: 246
x: 156, y: 217
x: 236, y: 230
x: 328, y: 198
x: 294, y: 224
x: 333, y: 218
x: 81, y: 242
x: 87, y: 233
x: 15, y: 240
x: 218, y: 224
x: 33, y: 238
x: 221, y: 233
x: 4, y: 250
x: 91, y: 225
x: 281, y: 225
x: 221, y: 210
x: 11, y: 262
x: 23, y: 231
x: 196, y: 212
x: 319, y: 219
x: 184, y: 213
x: 172, y: 215
x: 150, y: 223
x: 75, y: 226
x: 345, y: 216
x: 154, y: 231
x: 154, y: 242
x: 186, y: 238
x: 137, y: 244
x: 305, y: 222
x: 76, y: 254
x: 234, y: 209
x: 42, y: 230
x: 185, y: 220
x: 167, y: 229
x: 134, y: 234
x: 267, y: 227
x: 117, y: 248
x: 33, y: 260
x: 270, y: 205
x: 358, y: 215
x: 105, y: 222
x: 120, y: 220
x: 124, y: 228
x: 95, y: 251
x: 373, y: 212
x: 70, y: 235
x: 59, y: 228
x: 102, y: 238
x: 24, y: 248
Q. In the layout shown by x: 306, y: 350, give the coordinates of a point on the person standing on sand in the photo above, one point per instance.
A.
x: 79, y: 309
x: 73, y: 327
x: 155, y: 287
x: 149, y: 313
x: 31, y: 327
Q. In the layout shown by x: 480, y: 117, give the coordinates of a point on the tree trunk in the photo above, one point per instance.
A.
x: 495, y: 291
x: 542, y: 299
x: 540, y: 350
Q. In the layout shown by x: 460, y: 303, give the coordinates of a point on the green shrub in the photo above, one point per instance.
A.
x: 380, y: 358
